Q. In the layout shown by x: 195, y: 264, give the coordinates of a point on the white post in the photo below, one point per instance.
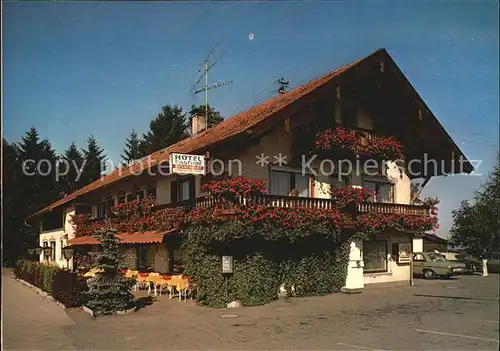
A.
x: 417, y: 246
x: 485, y: 267
x: 355, y: 281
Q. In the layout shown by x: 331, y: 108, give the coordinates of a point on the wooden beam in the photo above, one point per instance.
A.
x: 420, y: 188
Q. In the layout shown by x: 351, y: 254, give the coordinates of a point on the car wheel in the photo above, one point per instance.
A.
x: 429, y: 274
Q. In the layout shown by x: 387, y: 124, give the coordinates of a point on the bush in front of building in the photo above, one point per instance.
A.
x: 265, y: 258
x: 62, y: 284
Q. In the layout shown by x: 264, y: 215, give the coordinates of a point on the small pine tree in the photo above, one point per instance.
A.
x: 109, y: 291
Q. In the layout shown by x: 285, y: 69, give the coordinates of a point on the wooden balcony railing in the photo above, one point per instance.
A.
x: 389, y: 208
x: 305, y: 202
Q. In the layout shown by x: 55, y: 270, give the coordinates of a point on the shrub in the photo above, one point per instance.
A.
x: 314, y: 263
x: 65, y: 286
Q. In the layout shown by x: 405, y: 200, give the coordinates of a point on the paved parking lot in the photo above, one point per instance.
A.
x: 458, y: 314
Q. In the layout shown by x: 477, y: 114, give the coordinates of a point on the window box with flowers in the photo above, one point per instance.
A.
x: 359, y: 142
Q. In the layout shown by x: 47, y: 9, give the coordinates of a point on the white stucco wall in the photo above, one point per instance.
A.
x: 60, y: 237
x: 56, y: 236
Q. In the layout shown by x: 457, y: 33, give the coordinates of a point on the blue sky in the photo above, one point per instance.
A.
x: 79, y: 68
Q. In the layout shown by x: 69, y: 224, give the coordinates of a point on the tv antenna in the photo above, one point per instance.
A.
x: 206, y: 66
x: 284, y: 84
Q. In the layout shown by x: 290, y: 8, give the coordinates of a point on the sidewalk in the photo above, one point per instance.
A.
x: 29, y: 322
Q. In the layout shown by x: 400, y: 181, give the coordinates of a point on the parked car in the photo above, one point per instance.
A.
x: 429, y: 265
x: 472, y: 265
x: 493, y: 262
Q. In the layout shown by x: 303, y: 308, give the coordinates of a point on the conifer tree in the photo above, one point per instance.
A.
x: 94, y: 166
x: 132, y: 150
x: 166, y: 129
x: 109, y: 291
x: 74, y: 160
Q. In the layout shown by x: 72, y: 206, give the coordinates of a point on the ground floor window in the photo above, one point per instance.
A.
x: 145, y: 257
x: 375, y: 255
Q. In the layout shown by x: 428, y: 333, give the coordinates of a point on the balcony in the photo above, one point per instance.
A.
x: 304, y: 202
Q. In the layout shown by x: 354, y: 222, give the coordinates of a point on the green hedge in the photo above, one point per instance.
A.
x: 65, y: 286
x: 313, y: 263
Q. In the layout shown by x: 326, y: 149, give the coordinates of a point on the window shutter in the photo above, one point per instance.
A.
x: 192, y: 188
x: 174, y: 191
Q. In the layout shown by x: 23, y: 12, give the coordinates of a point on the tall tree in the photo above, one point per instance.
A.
x: 214, y: 116
x: 166, y: 129
x: 94, y: 157
x: 74, y: 161
x: 29, y: 184
x: 13, y: 208
x: 132, y: 150
x: 39, y: 162
x: 477, y: 225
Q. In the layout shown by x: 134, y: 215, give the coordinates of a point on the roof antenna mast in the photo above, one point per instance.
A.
x: 206, y: 67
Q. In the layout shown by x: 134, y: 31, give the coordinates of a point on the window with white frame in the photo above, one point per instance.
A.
x: 151, y: 190
x: 53, y: 253
x: 110, y: 202
x: 100, y: 209
x: 375, y: 255
x: 382, y: 189
x: 289, y: 183
x: 184, y: 190
x: 139, y: 194
x: 121, y: 197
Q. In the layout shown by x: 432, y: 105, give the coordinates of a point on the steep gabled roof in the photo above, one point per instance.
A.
x: 232, y: 127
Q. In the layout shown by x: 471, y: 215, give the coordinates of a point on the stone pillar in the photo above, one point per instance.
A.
x: 418, y: 245
x: 354, y: 281
x: 485, y: 267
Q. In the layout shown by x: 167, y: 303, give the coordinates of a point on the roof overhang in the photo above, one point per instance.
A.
x: 125, y: 238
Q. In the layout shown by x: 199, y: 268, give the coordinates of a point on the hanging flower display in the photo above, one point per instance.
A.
x: 349, y: 194
x: 139, y: 215
x: 384, y: 147
x: 238, y: 187
x: 339, y: 137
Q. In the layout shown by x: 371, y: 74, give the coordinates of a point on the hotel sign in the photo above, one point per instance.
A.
x: 187, y: 164
x: 227, y: 264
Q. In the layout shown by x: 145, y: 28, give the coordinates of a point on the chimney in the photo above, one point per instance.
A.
x: 198, y: 124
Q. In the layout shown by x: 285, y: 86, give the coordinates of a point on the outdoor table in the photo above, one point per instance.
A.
x: 155, y: 279
x: 180, y: 284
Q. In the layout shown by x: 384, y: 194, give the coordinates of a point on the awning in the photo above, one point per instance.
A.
x: 125, y: 238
